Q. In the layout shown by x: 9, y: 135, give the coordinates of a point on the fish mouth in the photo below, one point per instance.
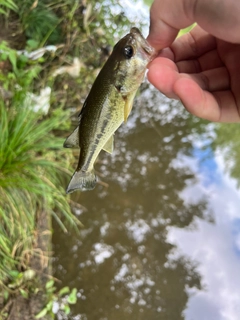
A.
x: 151, y: 52
x: 148, y: 51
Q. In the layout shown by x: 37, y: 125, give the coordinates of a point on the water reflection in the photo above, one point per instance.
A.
x: 148, y: 238
x: 216, y: 247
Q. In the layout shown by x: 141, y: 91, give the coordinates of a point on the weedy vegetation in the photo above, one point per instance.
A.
x: 62, y: 299
x: 33, y: 169
x: 6, y: 5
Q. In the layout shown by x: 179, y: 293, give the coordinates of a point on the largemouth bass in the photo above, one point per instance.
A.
x: 108, y: 104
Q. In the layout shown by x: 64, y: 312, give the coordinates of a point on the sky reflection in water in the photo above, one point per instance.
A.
x: 163, y: 240
x: 215, y: 246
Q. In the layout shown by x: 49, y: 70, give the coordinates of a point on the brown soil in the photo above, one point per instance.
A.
x: 11, y: 32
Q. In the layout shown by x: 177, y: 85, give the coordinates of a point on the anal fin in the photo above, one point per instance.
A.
x: 109, y: 145
x: 73, y: 140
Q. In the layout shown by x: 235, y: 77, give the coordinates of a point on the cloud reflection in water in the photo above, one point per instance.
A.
x: 215, y: 246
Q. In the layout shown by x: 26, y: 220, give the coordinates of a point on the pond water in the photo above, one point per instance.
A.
x: 161, y: 236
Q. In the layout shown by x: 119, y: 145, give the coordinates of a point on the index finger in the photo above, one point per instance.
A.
x: 219, y: 18
x: 166, y: 19
x: 193, y: 44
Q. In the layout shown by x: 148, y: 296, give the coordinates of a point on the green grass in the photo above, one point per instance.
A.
x: 38, y: 20
x: 32, y: 169
x: 6, y: 5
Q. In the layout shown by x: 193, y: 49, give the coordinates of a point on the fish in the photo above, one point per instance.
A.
x: 108, y: 105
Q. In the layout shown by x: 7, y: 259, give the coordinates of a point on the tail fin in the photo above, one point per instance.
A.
x: 83, y: 181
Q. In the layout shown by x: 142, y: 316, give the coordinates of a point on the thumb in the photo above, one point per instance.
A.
x: 220, y: 18
x: 166, y: 19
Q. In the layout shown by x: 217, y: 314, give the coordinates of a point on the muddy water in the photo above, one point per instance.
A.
x: 161, y: 236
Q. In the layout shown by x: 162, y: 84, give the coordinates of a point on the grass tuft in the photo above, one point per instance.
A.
x: 32, y: 170
x: 6, y: 5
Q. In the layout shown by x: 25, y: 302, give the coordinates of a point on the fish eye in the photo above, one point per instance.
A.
x: 128, y: 52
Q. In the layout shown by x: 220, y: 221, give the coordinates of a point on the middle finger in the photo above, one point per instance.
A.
x: 212, y: 80
x: 208, y: 61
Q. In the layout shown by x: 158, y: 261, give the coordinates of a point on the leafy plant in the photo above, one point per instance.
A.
x: 8, y: 53
x: 63, y: 298
x: 39, y: 21
x: 7, y: 4
x: 32, y: 169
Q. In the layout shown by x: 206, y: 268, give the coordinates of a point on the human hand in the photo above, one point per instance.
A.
x: 201, y: 68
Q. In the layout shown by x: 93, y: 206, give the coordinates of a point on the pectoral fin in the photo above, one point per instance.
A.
x: 128, y: 105
x: 109, y: 145
x: 73, y: 140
